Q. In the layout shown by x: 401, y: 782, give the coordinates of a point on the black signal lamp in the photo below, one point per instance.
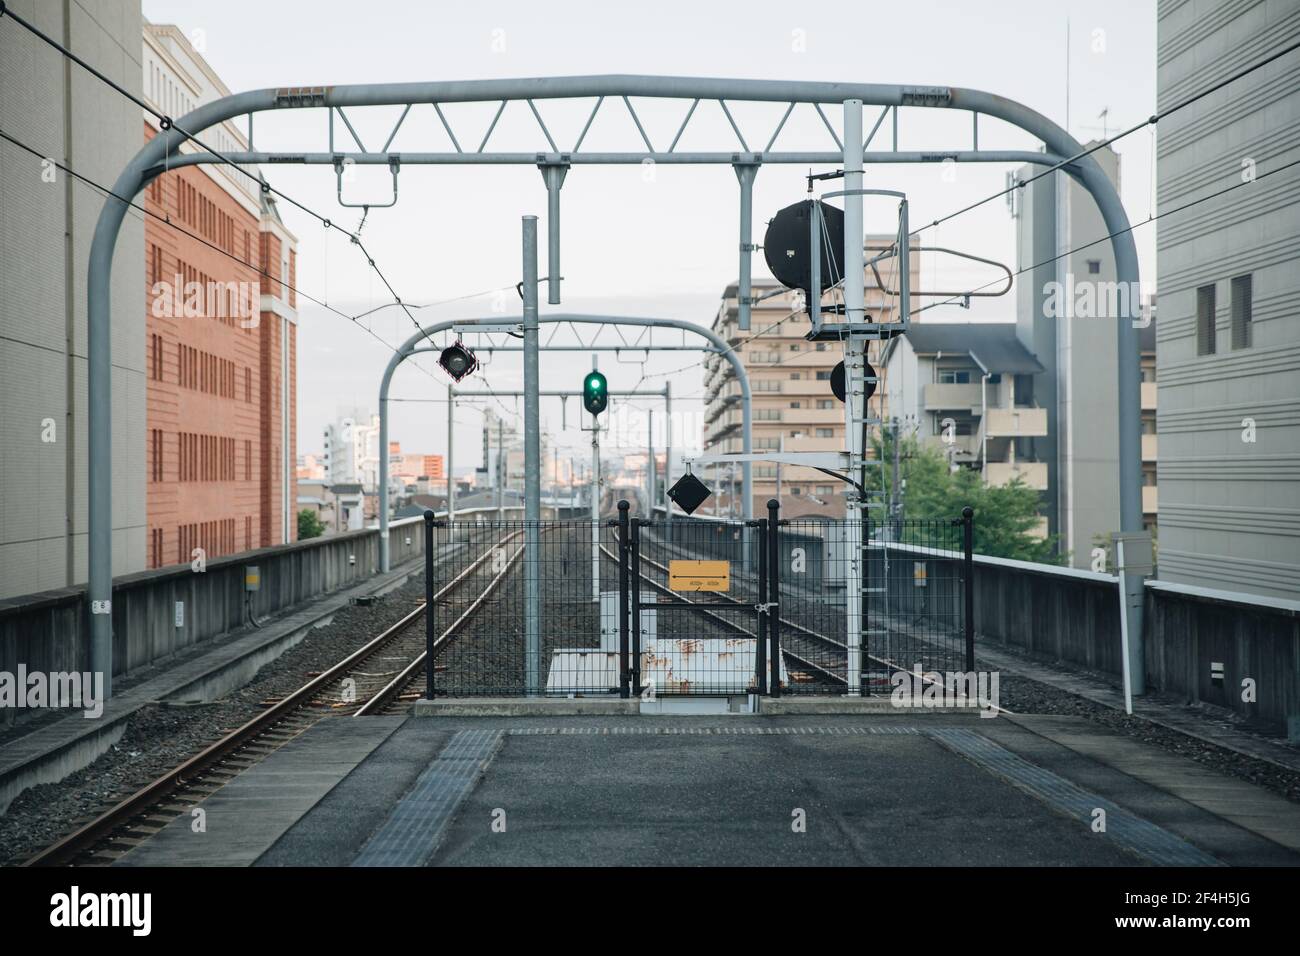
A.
x: 457, y: 361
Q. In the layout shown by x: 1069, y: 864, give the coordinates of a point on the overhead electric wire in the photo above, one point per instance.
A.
x: 166, y: 122
x: 1118, y: 232
x: 86, y: 180
x: 1150, y: 121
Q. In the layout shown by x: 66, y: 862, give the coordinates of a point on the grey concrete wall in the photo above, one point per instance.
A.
x: 1072, y: 616
x: 1062, y: 614
x: 1229, y: 508
x: 47, y: 220
x: 47, y: 631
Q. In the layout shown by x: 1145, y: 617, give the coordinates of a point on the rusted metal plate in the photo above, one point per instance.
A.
x: 699, y: 575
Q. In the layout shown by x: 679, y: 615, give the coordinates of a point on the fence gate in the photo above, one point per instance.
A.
x: 694, y: 607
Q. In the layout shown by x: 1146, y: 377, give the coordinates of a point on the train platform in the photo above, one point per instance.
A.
x: 54, y: 746
x: 750, y: 790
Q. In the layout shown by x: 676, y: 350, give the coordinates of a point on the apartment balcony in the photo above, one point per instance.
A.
x: 1149, y: 499
x: 1149, y: 447
x: 814, y: 416
x: 965, y: 447
x: 1032, y: 473
x: 939, y: 397
x: 1016, y: 422
x: 1148, y: 396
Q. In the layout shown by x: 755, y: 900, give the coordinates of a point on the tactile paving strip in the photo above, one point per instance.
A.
x: 740, y: 731
x: 412, y: 832
x: 1127, y: 829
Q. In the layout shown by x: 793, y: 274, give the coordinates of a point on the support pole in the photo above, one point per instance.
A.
x: 668, y: 451
x: 595, y: 508
x: 650, y: 465
x: 385, y: 557
x: 774, y: 594
x: 968, y: 579
x: 451, y: 471
x: 745, y: 173
x: 760, y: 651
x: 532, y: 467
x: 428, y: 605
x: 854, y: 372
x: 501, y: 472
x: 553, y: 174
x: 624, y: 545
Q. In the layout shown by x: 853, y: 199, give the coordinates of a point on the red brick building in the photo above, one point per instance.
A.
x: 220, y: 446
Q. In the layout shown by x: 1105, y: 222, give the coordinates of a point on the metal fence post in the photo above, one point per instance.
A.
x: 623, y: 676
x: 635, y: 630
x: 760, y: 660
x: 774, y: 592
x: 968, y: 578
x: 428, y: 605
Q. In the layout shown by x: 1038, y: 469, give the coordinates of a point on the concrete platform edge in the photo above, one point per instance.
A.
x: 90, y: 739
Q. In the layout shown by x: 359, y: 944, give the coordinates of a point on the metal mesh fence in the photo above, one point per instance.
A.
x: 481, y: 623
x: 694, y: 599
x: 911, y: 609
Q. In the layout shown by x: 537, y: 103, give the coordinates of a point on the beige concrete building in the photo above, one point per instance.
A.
x: 47, y: 220
x: 794, y: 409
x: 1229, y: 342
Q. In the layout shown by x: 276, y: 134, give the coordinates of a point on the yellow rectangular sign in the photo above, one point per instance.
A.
x: 699, y: 575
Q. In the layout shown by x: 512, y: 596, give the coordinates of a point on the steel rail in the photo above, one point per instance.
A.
x: 415, y: 668
x: 71, y: 845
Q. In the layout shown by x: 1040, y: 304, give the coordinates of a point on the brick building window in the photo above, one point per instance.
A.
x: 156, y: 454
x: 156, y: 357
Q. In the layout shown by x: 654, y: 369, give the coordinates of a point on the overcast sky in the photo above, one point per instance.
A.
x: 665, y: 247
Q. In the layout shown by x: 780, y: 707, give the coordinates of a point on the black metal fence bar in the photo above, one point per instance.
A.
x: 624, y: 672
x: 773, y: 548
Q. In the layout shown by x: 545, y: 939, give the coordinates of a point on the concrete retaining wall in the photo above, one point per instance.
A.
x: 48, y: 632
x: 1069, y: 615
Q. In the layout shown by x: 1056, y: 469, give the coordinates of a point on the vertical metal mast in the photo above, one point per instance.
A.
x: 532, y: 467
x: 595, y: 500
x: 668, y: 450
x: 650, y: 465
x: 854, y: 408
x: 451, y: 479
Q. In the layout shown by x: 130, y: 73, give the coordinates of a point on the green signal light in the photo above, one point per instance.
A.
x: 595, y: 397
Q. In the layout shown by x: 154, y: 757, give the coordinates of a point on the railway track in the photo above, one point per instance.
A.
x: 813, y: 657
x: 375, y: 686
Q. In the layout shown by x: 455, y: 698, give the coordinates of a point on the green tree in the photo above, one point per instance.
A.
x: 309, y: 525
x: 1005, y: 515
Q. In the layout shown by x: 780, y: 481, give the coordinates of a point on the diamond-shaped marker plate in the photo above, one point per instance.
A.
x: 689, y: 493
